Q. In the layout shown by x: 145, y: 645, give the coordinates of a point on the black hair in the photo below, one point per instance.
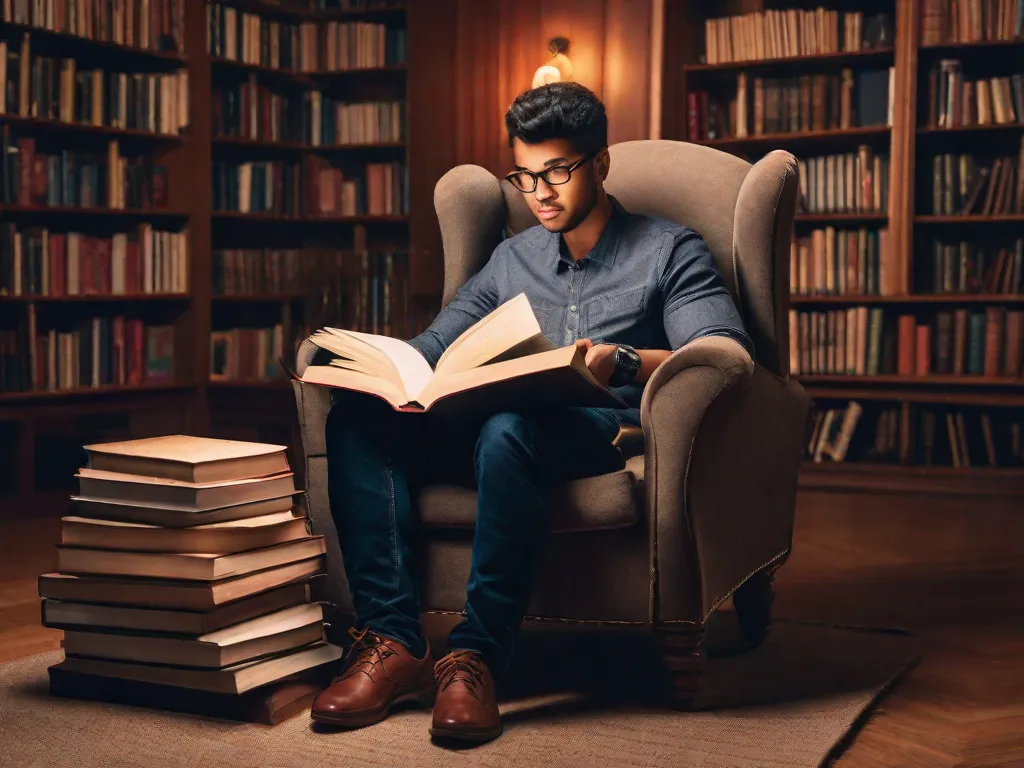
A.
x: 562, y: 110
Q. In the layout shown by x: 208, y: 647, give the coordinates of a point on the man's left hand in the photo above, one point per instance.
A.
x: 600, y: 359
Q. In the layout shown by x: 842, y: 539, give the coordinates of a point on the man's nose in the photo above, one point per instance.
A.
x: 545, y: 191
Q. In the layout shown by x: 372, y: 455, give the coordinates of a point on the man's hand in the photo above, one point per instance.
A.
x: 600, y: 359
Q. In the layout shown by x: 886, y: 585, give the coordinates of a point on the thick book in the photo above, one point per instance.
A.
x: 58, y: 614
x: 173, y: 594
x: 191, y: 566
x: 140, y: 489
x: 178, y: 516
x: 230, y: 680
x: 273, y: 634
x: 216, y: 538
x: 503, y: 362
x: 190, y: 459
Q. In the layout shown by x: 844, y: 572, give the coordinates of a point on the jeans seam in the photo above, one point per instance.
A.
x: 393, y: 524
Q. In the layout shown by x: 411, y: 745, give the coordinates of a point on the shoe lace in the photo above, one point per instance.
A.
x: 368, y: 650
x: 465, y: 667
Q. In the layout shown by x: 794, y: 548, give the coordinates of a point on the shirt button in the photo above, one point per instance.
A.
x: 572, y: 308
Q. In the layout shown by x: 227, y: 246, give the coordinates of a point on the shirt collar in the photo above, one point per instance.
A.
x: 607, y: 244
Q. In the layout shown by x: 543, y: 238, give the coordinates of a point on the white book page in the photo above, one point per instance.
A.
x: 412, y: 367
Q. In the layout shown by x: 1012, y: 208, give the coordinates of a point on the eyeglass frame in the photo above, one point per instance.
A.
x: 543, y: 174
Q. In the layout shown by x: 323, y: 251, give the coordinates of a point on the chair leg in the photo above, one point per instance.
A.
x: 684, y: 656
x: 753, y: 604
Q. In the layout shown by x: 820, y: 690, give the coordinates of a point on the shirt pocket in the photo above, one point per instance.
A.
x: 612, y: 315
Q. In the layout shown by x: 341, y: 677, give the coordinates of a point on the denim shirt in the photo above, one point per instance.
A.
x: 648, y: 283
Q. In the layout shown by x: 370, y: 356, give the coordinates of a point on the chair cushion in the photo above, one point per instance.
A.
x: 594, y: 503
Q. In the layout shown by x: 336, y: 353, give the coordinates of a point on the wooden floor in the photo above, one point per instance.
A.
x: 950, y: 569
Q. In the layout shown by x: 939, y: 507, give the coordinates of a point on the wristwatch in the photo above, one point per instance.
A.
x: 627, y: 364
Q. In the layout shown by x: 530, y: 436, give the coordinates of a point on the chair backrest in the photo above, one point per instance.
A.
x: 743, y: 211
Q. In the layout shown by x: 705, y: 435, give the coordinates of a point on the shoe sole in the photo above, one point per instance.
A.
x: 423, y: 697
x: 474, y: 736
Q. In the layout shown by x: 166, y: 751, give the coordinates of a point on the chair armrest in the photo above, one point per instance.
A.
x: 313, y: 403
x: 722, y: 445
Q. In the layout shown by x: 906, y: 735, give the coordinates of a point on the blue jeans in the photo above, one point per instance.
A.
x: 377, y: 458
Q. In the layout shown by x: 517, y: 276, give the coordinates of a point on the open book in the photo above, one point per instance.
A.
x: 503, y: 362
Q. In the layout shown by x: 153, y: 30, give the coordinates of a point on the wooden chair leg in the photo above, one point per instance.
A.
x: 753, y: 604
x: 682, y: 649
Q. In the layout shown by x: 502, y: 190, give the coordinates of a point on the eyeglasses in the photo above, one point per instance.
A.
x: 526, y: 181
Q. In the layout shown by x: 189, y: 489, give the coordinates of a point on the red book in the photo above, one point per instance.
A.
x: 923, y: 348
x: 905, y: 347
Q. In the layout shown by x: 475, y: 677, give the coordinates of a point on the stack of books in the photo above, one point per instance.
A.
x: 185, y: 575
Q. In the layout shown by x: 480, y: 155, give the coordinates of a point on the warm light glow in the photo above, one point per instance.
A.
x: 546, y: 74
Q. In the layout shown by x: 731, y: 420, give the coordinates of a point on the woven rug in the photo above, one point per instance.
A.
x: 791, y: 703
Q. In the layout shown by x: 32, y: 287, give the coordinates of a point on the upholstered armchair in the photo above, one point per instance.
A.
x: 703, y: 510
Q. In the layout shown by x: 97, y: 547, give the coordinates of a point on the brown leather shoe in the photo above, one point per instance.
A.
x: 465, y: 707
x: 380, y: 673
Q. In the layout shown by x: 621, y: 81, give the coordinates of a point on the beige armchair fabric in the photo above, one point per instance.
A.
x: 706, y: 510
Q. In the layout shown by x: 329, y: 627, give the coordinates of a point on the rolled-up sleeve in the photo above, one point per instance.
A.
x: 697, y: 301
x: 477, y: 298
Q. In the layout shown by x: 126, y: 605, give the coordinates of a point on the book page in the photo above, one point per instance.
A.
x: 400, y: 365
x: 509, y: 325
x: 413, y: 369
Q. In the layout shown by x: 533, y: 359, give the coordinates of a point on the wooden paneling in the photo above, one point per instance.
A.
x: 469, y: 59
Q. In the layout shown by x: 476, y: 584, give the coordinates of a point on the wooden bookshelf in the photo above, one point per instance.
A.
x: 706, y: 63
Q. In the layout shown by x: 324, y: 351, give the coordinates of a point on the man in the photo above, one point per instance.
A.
x: 628, y: 289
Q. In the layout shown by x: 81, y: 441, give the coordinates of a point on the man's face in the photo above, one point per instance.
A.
x: 560, y: 207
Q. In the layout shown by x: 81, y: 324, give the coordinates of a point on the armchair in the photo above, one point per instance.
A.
x: 703, y: 509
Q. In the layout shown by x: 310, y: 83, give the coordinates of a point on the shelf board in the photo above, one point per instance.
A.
x: 989, y: 399
x: 931, y: 380
x: 1002, y: 218
x: 277, y: 218
x: 68, y: 210
x: 975, y: 45
x: 259, y: 297
x: 76, y: 46
x: 61, y: 128
x: 960, y: 130
x: 287, y: 146
x: 826, y: 218
x: 838, y: 59
x: 294, y: 11
x: 300, y: 77
x: 913, y: 479
x: 796, y: 137
x: 97, y: 297
x: 937, y: 298
x: 91, y: 392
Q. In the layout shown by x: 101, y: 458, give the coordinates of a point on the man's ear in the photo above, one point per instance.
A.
x: 602, y: 162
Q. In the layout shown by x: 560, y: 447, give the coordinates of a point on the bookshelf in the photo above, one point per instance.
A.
x: 906, y: 284
x: 162, y: 301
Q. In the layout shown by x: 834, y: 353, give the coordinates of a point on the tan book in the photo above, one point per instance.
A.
x: 173, y: 594
x: 232, y: 680
x: 178, y: 517
x: 202, y: 567
x: 274, y: 633
x: 215, y: 538
x: 501, y: 362
x: 190, y: 459
x: 117, y: 486
x: 59, y: 614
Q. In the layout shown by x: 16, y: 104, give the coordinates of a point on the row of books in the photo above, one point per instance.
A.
x: 365, y: 291
x: 57, y: 89
x: 187, y: 563
x: 157, y: 25
x: 40, y: 262
x: 90, y: 353
x: 970, y: 21
x: 251, y: 110
x: 964, y: 184
x: 794, y: 104
x: 75, y: 178
x: 306, y: 46
x: 914, y: 434
x: 853, y: 182
x: 247, y: 354
x: 774, y: 34
x: 863, y: 341
x: 262, y: 271
x: 954, y: 102
x: 972, y: 267
x: 311, y: 188
x: 843, y: 262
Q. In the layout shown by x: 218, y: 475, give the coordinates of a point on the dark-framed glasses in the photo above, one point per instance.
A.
x: 526, y: 181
